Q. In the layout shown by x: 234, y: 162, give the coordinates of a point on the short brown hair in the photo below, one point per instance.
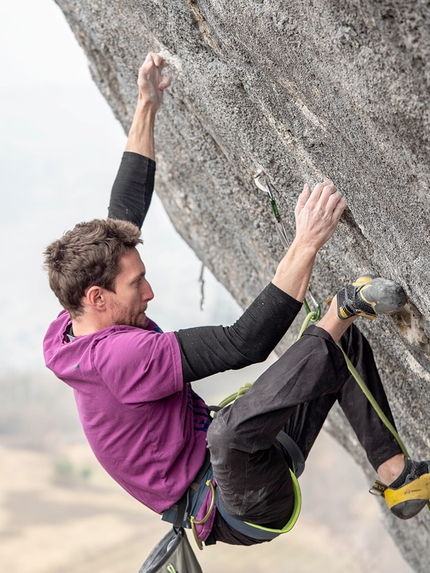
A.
x: 88, y: 255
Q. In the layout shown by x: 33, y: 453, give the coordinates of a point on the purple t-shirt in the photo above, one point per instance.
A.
x: 145, y: 426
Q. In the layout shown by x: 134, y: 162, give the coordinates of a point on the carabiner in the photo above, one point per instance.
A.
x: 263, y: 187
x: 316, y: 314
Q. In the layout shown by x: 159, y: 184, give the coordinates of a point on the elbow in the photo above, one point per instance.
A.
x: 254, y: 354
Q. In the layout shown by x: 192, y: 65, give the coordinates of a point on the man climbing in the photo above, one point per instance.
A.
x: 132, y: 382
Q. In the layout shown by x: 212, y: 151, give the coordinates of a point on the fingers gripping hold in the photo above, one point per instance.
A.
x: 303, y: 198
x: 151, y: 81
x: 318, y: 213
x: 158, y: 60
x: 336, y: 204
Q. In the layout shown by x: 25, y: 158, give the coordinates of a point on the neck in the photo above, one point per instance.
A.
x: 83, y: 325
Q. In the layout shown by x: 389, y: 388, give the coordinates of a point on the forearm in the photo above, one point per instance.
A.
x: 141, y: 134
x: 212, y: 349
x: 294, y: 271
x: 317, y: 214
x: 134, y: 184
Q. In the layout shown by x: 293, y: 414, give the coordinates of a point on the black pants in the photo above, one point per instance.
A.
x: 295, y: 394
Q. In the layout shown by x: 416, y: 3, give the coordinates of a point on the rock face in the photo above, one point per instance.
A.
x: 302, y: 90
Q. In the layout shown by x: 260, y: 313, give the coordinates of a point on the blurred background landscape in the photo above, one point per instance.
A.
x: 59, y: 512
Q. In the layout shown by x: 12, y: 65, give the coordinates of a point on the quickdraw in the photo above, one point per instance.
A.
x: 263, y: 183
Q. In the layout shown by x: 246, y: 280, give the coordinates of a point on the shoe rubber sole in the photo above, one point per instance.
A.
x: 384, y: 296
x: 369, y: 296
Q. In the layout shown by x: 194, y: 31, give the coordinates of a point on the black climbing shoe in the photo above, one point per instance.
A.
x: 409, y: 493
x: 369, y: 296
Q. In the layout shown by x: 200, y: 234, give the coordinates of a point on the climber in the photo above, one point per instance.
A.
x: 132, y: 382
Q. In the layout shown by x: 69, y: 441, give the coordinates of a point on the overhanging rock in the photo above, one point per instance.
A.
x: 302, y: 90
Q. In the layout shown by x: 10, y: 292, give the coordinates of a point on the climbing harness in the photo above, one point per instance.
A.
x: 182, y: 513
x: 297, y: 460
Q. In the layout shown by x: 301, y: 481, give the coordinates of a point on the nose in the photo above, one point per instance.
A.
x: 148, y: 293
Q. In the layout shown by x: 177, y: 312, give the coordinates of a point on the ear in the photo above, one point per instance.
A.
x: 95, y: 297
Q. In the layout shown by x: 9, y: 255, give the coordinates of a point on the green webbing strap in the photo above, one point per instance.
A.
x: 373, y: 402
x: 296, y: 510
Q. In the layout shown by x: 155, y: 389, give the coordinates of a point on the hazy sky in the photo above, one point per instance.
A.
x: 61, y: 147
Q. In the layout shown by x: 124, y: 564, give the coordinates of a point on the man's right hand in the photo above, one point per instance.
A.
x: 151, y: 82
x: 151, y: 85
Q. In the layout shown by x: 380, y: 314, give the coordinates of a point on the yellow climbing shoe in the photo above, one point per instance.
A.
x: 409, y: 493
x: 369, y: 296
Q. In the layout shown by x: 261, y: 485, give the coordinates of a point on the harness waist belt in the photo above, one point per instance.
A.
x: 190, y: 502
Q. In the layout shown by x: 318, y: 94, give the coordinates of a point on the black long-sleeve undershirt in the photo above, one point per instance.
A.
x: 132, y: 189
x: 209, y: 349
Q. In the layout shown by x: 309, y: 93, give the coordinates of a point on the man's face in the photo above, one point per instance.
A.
x: 128, y: 303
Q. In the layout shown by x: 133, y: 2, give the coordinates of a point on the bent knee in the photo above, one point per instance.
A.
x: 218, y: 436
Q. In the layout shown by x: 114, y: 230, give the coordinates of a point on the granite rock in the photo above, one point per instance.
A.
x: 302, y: 90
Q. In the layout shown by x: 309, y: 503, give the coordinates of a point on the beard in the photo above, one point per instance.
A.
x: 123, y: 316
